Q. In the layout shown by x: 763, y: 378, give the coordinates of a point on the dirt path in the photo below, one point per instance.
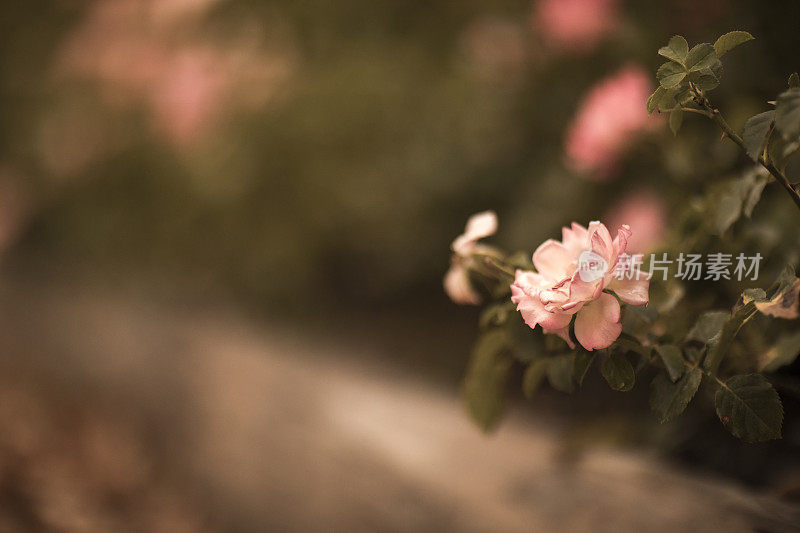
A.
x: 272, y: 432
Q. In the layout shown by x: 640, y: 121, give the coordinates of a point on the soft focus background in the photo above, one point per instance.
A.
x: 224, y: 226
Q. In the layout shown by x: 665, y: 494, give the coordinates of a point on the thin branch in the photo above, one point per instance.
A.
x: 717, y: 117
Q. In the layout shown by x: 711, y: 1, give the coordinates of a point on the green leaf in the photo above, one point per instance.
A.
x: 534, y: 375
x: 652, y: 102
x: 676, y: 49
x: 719, y: 346
x: 730, y: 41
x: 755, y: 133
x: 668, y: 399
x: 736, y: 197
x: 759, y: 181
x: 580, y: 365
x: 618, y: 372
x: 750, y: 408
x: 729, y: 208
x: 708, y: 326
x: 485, y: 381
x: 673, y: 360
x: 670, y: 75
x: 794, y: 80
x: 496, y: 314
x: 787, y: 114
x: 783, y: 353
x: 675, y: 120
x: 707, y: 78
x: 701, y: 56
x: 559, y: 373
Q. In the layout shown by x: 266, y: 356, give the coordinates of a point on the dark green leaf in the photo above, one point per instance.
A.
x: 719, y: 346
x: 707, y: 78
x: 670, y: 75
x: 673, y: 360
x: 675, y: 120
x: 708, y: 326
x: 580, y: 365
x: 618, y: 372
x: 787, y: 114
x: 700, y: 56
x: 652, y: 102
x: 730, y: 41
x: 534, y: 375
x: 750, y: 408
x: 729, y: 208
x: 755, y: 133
x: 495, y: 314
x: 783, y: 353
x: 676, y: 49
x: 669, y: 399
x: 760, y: 181
x: 485, y: 382
x: 559, y: 373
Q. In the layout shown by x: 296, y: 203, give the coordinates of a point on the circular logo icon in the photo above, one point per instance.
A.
x: 591, y: 266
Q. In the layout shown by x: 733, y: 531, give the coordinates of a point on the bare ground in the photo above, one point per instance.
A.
x: 120, y: 414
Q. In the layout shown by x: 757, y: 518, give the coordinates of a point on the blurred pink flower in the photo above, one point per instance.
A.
x: 189, y: 95
x: 155, y: 53
x: 575, y: 25
x: 646, y: 212
x: 456, y: 282
x: 458, y: 287
x: 608, y: 120
x: 570, y: 278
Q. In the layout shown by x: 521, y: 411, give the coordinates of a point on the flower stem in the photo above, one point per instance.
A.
x: 714, y: 114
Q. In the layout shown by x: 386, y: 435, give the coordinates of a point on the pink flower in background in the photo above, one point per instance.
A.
x: 158, y: 54
x: 456, y: 282
x: 569, y: 281
x: 575, y: 25
x: 646, y: 212
x: 609, y: 119
x: 189, y: 96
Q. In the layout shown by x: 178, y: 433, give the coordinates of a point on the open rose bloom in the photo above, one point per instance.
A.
x: 574, y: 277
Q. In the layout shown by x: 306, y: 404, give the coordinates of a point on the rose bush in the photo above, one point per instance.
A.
x: 594, y: 303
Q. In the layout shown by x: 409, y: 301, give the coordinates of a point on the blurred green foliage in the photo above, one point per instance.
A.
x: 349, y: 185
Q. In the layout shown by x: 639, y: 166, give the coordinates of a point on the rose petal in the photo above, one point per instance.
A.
x: 525, y: 293
x: 634, y: 291
x: 458, y: 287
x: 582, y: 291
x: 553, y: 260
x: 601, y: 242
x: 575, y: 239
x: 563, y: 333
x: 621, y: 240
x: 597, y: 324
x: 479, y: 225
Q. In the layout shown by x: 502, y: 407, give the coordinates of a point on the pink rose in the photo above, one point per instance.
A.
x: 644, y: 210
x: 608, y: 121
x: 456, y: 282
x: 570, y: 279
x: 575, y: 25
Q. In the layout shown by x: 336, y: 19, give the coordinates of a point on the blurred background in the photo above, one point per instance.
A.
x: 224, y: 226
